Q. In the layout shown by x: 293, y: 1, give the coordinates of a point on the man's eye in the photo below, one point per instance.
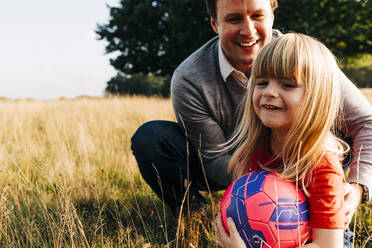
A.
x: 258, y: 16
x: 234, y: 19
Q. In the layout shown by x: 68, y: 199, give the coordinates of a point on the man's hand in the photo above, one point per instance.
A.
x: 353, y: 196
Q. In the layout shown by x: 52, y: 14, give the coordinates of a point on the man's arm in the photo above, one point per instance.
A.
x: 358, y: 124
x: 201, y: 129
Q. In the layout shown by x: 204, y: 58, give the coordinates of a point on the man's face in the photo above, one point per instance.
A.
x: 244, y: 28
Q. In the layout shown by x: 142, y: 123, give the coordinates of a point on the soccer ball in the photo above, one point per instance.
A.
x: 268, y: 211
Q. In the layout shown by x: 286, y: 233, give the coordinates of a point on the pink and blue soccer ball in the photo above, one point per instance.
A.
x: 268, y: 211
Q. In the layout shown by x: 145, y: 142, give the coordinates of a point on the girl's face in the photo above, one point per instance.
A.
x: 276, y: 102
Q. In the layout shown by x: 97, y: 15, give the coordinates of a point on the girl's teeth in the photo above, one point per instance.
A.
x: 271, y: 107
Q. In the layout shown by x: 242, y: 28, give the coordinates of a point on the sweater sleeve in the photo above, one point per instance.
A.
x: 200, y: 128
x: 357, y: 113
x: 326, y: 190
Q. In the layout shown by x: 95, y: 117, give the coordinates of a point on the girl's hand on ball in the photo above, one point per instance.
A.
x: 223, y: 238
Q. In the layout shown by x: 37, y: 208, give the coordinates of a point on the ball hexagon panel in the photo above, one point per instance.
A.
x: 259, y: 207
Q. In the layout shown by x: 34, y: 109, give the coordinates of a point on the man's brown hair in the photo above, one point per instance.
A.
x: 212, y: 7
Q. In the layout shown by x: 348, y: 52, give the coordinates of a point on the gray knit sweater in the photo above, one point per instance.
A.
x: 207, y: 107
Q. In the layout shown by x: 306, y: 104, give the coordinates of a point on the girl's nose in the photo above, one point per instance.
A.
x: 271, y: 91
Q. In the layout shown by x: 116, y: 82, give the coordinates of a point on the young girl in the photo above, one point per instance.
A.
x: 292, y: 103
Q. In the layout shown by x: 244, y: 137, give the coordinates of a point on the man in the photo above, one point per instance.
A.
x: 206, y: 91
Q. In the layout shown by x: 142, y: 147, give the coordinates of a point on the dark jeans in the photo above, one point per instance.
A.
x: 167, y: 162
x: 348, y: 239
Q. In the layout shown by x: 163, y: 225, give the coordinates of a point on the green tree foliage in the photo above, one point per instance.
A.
x: 345, y: 26
x: 154, y: 36
x: 359, y: 69
x: 138, y: 84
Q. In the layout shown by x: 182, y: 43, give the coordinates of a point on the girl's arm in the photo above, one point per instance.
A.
x: 328, y: 238
x: 321, y: 238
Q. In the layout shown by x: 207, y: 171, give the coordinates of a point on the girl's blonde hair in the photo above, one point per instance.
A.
x: 307, y: 62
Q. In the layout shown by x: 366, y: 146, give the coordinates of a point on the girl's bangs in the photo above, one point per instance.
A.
x: 275, y: 62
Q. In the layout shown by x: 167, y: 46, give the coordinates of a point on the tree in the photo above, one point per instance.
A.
x: 138, y: 84
x: 154, y: 36
x: 345, y: 26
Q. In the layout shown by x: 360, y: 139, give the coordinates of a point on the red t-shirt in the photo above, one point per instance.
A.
x: 326, y: 201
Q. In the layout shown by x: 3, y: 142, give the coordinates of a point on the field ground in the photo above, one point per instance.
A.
x: 68, y: 179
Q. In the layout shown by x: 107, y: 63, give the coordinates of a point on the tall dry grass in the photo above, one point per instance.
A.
x: 367, y: 93
x: 68, y: 178
x: 64, y: 160
x: 75, y: 142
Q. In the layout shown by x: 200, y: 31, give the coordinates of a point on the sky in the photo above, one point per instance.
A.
x: 48, y: 48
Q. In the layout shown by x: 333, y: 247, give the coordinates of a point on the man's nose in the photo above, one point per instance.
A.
x: 248, y: 28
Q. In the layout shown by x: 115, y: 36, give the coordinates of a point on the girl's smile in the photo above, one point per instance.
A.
x: 276, y: 102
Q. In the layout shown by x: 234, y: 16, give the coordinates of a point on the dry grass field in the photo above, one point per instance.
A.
x: 68, y: 178
x: 368, y: 94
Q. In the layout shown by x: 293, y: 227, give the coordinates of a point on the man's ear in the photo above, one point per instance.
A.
x: 214, y: 25
x: 272, y: 21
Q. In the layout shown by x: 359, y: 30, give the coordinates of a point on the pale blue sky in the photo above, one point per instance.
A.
x: 48, y: 48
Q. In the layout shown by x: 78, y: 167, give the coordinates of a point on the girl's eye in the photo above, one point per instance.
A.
x: 289, y: 85
x: 262, y: 83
